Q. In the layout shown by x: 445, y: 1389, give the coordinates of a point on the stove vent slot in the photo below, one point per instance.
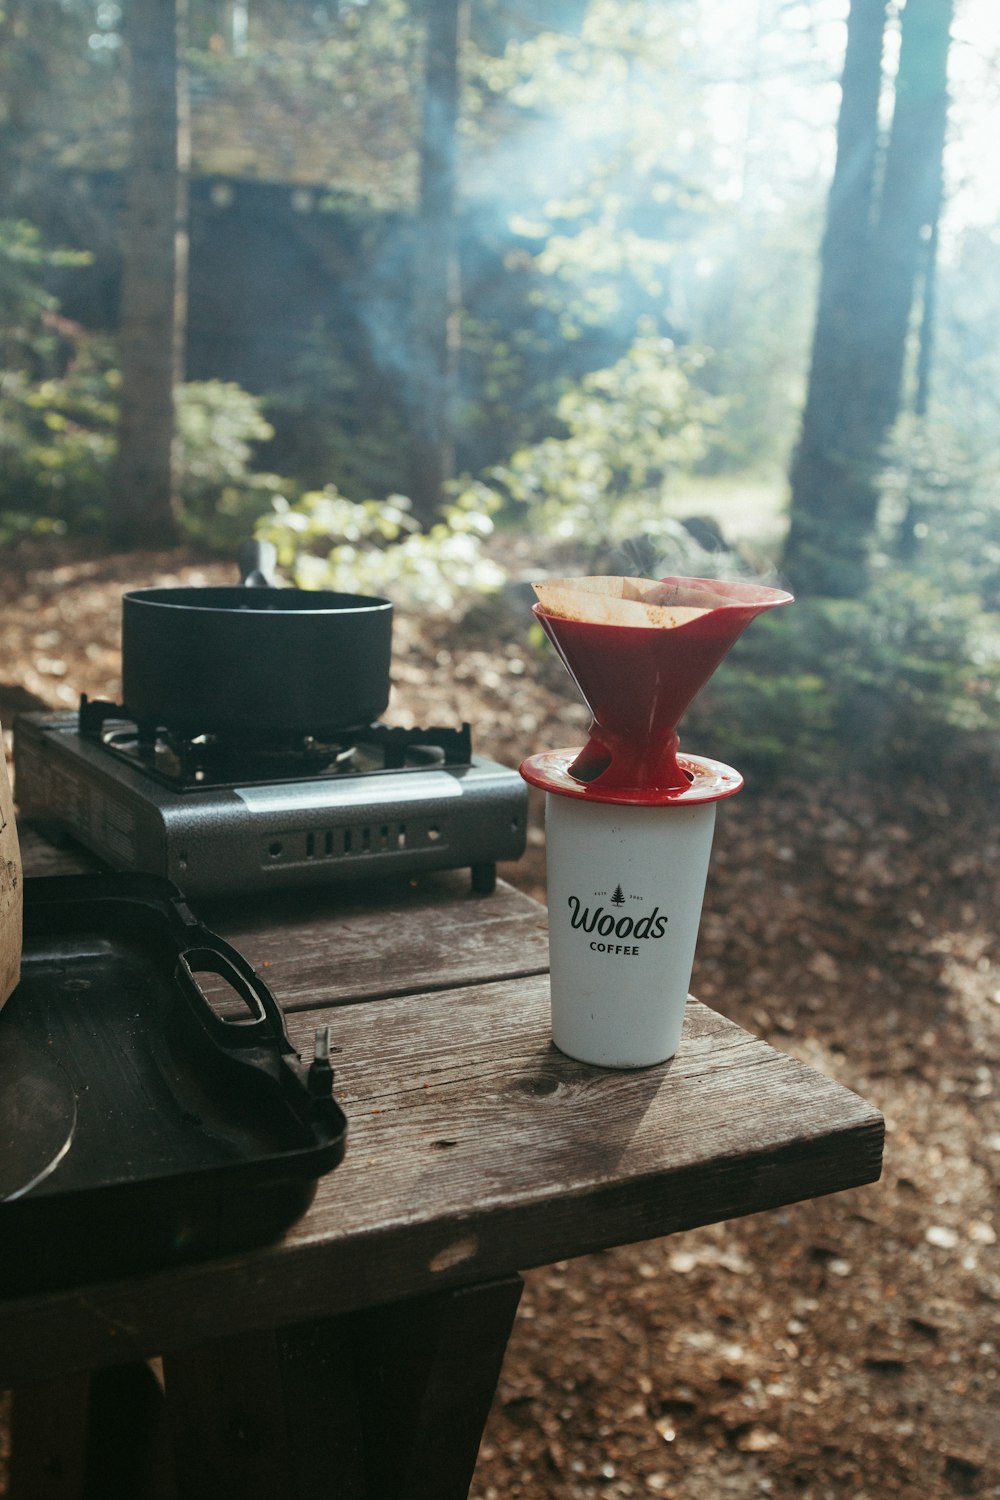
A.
x: 321, y: 844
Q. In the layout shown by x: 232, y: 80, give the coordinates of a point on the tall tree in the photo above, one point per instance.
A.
x: 145, y: 503
x: 883, y: 207
x: 435, y: 306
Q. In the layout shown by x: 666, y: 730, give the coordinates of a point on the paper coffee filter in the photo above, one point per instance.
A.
x: 616, y: 602
x: 662, y: 603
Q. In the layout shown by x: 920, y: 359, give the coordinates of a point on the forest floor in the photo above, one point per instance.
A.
x: 845, y: 1348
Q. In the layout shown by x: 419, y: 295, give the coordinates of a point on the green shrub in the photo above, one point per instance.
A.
x: 59, y: 416
x: 337, y: 419
x: 57, y: 443
x: 898, y: 680
x: 326, y: 541
x: 58, y: 398
x: 223, y: 497
x: 629, y: 431
x: 941, y: 509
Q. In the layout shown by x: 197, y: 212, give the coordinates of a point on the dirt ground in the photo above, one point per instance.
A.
x: 842, y: 1349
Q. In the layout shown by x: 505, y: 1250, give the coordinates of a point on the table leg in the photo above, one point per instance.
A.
x: 428, y: 1369
x: 49, y: 1439
x: 90, y: 1437
x: 266, y: 1416
x: 386, y: 1404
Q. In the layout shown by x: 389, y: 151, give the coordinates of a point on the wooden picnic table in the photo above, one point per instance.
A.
x: 359, y: 1356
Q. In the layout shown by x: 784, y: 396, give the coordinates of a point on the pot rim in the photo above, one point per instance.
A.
x: 258, y: 601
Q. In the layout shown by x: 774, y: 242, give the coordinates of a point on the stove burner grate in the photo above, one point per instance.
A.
x: 204, y: 762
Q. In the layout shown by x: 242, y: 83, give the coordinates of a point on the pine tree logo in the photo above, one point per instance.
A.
x: 619, y: 896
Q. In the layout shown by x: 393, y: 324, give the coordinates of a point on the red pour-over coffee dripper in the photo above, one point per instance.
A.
x: 638, y: 680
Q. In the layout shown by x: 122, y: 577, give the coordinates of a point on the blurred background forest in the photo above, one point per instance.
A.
x: 708, y: 288
x: 441, y: 296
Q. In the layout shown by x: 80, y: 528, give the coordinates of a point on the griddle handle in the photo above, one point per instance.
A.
x: 266, y: 1021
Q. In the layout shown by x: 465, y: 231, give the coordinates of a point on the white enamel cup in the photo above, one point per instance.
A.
x: 625, y: 891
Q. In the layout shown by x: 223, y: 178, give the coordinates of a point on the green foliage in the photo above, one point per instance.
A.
x: 588, y: 154
x: 965, y: 385
x: 223, y: 496
x: 28, y: 337
x: 941, y: 508
x: 751, y: 301
x: 57, y: 398
x: 895, y: 681
x: 326, y: 541
x: 629, y: 430
x: 56, y: 447
x: 59, y: 413
x: 602, y: 200
x: 904, y: 677
x: 337, y: 421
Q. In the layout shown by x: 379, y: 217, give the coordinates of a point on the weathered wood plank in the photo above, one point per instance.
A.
x: 476, y: 1150
x: 384, y: 1404
x: 336, y: 944
x: 331, y: 946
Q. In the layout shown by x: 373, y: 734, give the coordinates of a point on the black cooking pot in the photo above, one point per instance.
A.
x: 261, y: 662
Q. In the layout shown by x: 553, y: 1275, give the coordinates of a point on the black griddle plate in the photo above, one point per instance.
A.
x: 141, y: 1123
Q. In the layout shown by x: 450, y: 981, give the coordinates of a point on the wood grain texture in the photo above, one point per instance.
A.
x: 340, y: 944
x: 477, y: 1150
x: 384, y: 1404
x: 401, y: 937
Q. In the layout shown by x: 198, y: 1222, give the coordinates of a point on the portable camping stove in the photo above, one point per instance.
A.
x: 218, y: 817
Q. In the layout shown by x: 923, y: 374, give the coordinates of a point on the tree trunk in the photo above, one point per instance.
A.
x: 911, y: 192
x: 145, y: 503
x: 824, y: 463
x: 873, y: 251
x: 434, y: 334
